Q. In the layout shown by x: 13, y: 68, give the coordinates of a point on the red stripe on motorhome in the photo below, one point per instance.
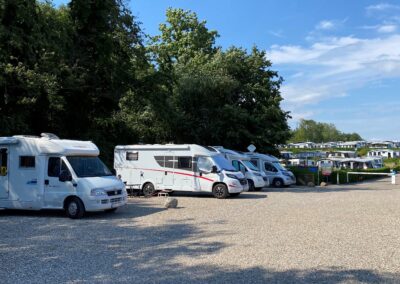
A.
x: 179, y: 173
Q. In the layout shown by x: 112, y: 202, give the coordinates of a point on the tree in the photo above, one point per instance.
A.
x: 318, y: 132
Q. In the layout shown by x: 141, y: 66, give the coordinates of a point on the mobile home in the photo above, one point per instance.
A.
x: 278, y: 175
x: 49, y: 173
x: 241, y: 162
x: 177, y: 168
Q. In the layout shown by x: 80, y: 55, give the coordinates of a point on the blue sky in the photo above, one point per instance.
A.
x: 340, y: 59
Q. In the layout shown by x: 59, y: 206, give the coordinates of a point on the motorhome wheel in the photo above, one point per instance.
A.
x: 75, y: 208
x: 220, y: 191
x: 278, y: 183
x: 148, y: 189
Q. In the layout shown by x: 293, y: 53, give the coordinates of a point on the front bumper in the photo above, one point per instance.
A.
x: 289, y: 180
x: 102, y: 203
x: 259, y: 182
x: 234, y: 186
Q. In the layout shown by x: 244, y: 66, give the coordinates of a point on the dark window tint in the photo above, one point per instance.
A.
x: 254, y: 162
x: 3, y: 162
x: 53, y: 169
x: 270, y: 168
x: 160, y: 160
x: 184, y: 163
x: 235, y: 164
x: 169, y: 162
x: 27, y: 161
x: 132, y: 156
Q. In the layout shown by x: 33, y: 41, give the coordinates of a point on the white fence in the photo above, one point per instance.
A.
x: 376, y: 174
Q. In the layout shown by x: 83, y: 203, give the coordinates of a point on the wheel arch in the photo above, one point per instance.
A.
x: 69, y: 198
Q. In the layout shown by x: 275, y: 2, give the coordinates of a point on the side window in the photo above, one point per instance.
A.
x: 270, y: 168
x: 3, y: 162
x: 27, y: 161
x: 169, y: 162
x: 64, y: 168
x: 54, y: 166
x: 204, y: 164
x: 185, y: 163
x: 235, y: 164
x: 132, y: 156
x: 242, y: 167
x: 254, y: 162
x: 160, y: 160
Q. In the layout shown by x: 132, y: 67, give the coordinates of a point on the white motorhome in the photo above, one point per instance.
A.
x: 173, y: 167
x: 49, y: 173
x: 270, y: 165
x: 256, y: 178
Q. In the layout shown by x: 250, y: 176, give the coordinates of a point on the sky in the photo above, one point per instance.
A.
x: 340, y: 60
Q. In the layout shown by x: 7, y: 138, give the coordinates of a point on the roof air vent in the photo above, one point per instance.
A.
x: 49, y: 136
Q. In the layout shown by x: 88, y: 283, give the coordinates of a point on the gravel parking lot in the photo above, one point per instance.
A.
x: 304, y: 235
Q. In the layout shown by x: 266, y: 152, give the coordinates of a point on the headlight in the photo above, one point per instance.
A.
x: 98, y: 192
x: 287, y: 174
x: 232, y: 176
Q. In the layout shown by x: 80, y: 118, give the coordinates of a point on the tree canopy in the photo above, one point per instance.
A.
x: 319, y: 132
x: 85, y: 71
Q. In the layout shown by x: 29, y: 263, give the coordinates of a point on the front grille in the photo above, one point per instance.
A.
x: 114, y: 192
x: 115, y: 200
x: 243, y: 181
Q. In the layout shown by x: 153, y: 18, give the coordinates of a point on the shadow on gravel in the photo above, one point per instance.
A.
x: 128, y: 211
x: 115, y: 249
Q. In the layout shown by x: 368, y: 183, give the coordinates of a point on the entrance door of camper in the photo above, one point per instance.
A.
x: 4, y: 173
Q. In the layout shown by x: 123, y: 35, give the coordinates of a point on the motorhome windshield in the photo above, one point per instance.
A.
x: 250, y: 165
x: 223, y: 163
x: 279, y: 166
x: 88, y: 166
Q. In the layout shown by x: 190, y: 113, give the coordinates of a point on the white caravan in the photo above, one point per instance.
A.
x: 49, y: 173
x: 278, y: 175
x: 177, y: 168
x: 256, y: 178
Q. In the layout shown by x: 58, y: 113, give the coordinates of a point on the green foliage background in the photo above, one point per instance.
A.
x: 87, y: 71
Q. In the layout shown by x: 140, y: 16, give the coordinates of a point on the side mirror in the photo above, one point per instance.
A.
x: 214, y: 169
x: 65, y: 176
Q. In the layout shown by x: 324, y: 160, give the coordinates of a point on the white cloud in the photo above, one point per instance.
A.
x: 381, y: 7
x: 325, y: 25
x: 387, y: 28
x: 333, y: 67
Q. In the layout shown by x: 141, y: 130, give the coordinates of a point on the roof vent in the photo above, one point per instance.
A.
x: 49, y: 136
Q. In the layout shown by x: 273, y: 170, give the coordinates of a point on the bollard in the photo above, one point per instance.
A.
x: 393, y: 177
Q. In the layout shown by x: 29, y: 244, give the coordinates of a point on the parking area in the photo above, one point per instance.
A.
x: 292, y: 235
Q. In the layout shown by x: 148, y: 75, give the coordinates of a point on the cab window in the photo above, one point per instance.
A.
x: 204, y: 164
x: 3, y: 162
x: 54, y: 166
x: 238, y: 166
x: 270, y: 168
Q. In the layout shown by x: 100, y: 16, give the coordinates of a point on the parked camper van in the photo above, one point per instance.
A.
x: 278, y: 175
x: 256, y: 178
x: 177, y: 168
x: 49, y: 173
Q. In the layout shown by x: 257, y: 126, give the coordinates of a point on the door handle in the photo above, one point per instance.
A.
x: 46, y: 182
x: 166, y: 173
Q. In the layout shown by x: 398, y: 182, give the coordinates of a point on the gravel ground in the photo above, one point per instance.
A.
x: 336, y: 234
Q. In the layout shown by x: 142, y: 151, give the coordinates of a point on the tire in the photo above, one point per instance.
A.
x: 148, y: 189
x: 75, y: 208
x: 111, y: 210
x: 220, y: 191
x: 251, y: 185
x: 234, y: 194
x: 278, y: 183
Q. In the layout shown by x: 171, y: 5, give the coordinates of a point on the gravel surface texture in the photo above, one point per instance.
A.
x: 335, y: 234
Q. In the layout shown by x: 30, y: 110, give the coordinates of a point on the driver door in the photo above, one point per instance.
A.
x: 204, y: 176
x: 54, y: 190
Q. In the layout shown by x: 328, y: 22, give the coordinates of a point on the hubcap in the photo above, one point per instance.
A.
x: 72, y: 208
x: 148, y: 189
x: 219, y: 190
